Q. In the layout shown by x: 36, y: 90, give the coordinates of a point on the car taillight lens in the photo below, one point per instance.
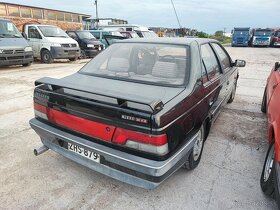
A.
x: 157, y: 144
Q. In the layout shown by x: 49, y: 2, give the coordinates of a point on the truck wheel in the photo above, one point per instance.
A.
x: 264, y: 101
x: 267, y: 179
x: 232, y: 95
x: 73, y: 59
x: 46, y: 56
x: 196, y: 152
x: 26, y: 64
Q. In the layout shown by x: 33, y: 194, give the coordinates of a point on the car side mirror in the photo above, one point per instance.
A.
x: 24, y: 35
x: 240, y: 63
x: 277, y: 66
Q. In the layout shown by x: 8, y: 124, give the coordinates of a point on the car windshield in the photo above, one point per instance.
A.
x: 52, y: 31
x: 8, y: 30
x: 263, y: 33
x: 163, y: 64
x: 277, y: 34
x: 85, y: 35
x: 149, y: 34
x: 241, y: 32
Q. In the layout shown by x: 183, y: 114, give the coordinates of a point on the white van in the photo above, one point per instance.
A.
x: 142, y: 31
x: 50, y: 42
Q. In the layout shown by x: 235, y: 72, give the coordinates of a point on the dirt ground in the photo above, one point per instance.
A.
x: 227, y: 177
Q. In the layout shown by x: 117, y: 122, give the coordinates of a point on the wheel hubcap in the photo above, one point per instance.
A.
x: 198, y: 146
x: 269, y: 163
x: 46, y: 57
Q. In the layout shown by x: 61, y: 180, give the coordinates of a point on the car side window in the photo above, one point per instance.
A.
x: 96, y: 34
x: 210, y: 61
x: 72, y: 34
x: 226, y: 63
x: 33, y: 33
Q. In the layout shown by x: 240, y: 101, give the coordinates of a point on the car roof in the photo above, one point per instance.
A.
x: 169, y: 40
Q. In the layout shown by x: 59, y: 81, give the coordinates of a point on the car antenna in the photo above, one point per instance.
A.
x: 176, y: 14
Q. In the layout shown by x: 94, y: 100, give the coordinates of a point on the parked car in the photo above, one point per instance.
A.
x: 142, y: 31
x: 139, y: 110
x: 129, y: 34
x: 50, y: 42
x: 89, y: 45
x: 270, y: 178
x: 101, y: 34
x: 14, y: 49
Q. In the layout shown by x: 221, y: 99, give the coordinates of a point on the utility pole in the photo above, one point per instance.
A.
x: 96, y: 12
x: 225, y: 31
x: 176, y: 14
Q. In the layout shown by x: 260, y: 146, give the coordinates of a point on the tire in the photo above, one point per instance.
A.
x: 276, y: 176
x: 264, y: 102
x: 267, y: 179
x: 232, y: 95
x: 83, y: 55
x: 73, y: 59
x: 196, y: 152
x: 26, y: 64
x: 46, y: 57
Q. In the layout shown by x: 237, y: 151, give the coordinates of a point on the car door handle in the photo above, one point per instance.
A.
x: 211, y: 103
x: 274, y: 86
x: 227, y: 82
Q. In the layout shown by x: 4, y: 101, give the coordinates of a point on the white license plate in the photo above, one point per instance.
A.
x: 84, y: 152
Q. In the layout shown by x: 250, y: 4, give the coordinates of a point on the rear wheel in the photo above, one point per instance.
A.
x: 267, y: 179
x: 264, y: 102
x: 46, y: 56
x: 196, y: 152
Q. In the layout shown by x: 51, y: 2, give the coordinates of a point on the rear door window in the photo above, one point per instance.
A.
x: 225, y: 60
x: 210, y: 62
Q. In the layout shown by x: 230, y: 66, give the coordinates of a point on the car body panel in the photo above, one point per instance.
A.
x: 273, y: 111
x: 176, y: 111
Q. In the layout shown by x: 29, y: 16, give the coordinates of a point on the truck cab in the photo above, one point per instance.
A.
x: 241, y: 37
x: 262, y: 37
x: 276, y: 39
x: 51, y: 42
x: 14, y: 49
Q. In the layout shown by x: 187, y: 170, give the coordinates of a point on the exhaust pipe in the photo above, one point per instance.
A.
x: 40, y: 150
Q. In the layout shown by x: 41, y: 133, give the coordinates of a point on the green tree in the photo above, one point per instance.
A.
x: 202, y: 34
x: 219, y: 33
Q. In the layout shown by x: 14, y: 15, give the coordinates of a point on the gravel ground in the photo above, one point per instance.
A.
x: 227, y: 177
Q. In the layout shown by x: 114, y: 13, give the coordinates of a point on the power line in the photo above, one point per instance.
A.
x: 176, y: 14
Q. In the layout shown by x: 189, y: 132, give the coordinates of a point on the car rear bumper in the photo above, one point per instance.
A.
x: 16, y: 59
x: 119, y: 165
x: 65, y: 52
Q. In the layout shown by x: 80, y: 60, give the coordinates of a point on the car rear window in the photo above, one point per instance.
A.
x: 164, y: 64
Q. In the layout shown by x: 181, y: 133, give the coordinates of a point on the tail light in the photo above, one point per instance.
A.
x: 155, y: 144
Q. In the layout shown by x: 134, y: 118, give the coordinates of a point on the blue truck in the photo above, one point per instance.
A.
x: 262, y: 37
x: 241, y: 37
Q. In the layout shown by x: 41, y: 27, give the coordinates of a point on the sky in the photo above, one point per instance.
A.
x: 204, y: 15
